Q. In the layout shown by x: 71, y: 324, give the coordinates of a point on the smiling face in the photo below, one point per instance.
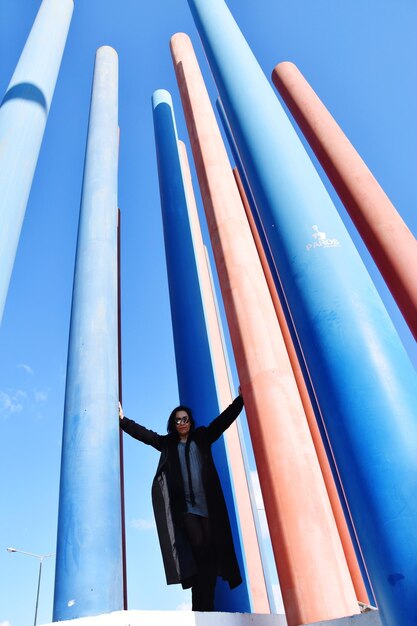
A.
x: 182, y: 423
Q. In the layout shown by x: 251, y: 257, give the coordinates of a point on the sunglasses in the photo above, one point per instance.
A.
x: 182, y: 420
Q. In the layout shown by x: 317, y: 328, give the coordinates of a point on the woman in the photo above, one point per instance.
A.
x: 190, y: 511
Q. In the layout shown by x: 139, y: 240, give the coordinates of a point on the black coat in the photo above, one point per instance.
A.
x: 169, y: 501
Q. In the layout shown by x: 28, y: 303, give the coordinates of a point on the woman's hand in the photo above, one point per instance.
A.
x: 121, y: 415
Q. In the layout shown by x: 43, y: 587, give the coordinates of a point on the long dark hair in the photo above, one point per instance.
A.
x: 171, y: 420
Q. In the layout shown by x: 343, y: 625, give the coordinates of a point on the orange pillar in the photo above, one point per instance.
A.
x: 314, y: 577
x: 256, y: 579
x: 388, y: 239
x: 338, y: 513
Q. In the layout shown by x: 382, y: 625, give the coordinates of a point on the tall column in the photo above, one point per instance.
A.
x: 23, y: 115
x: 314, y: 578
x: 332, y: 492
x: 331, y: 477
x: 88, y: 579
x: 364, y: 381
x: 250, y: 543
x: 197, y: 387
x: 389, y: 240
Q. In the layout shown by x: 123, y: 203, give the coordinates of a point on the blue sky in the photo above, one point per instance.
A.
x: 360, y: 56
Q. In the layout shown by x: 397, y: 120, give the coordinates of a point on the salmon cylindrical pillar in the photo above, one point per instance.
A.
x: 387, y: 237
x: 23, y: 115
x: 250, y: 543
x: 314, y: 578
x: 363, y: 378
x: 196, y: 381
x: 89, y: 572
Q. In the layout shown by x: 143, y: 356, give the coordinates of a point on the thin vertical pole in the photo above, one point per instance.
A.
x: 23, y: 115
x: 37, y: 592
x: 314, y: 577
x: 89, y: 570
x: 120, y: 372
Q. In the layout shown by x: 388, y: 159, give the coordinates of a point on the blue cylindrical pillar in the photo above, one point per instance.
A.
x: 88, y: 577
x: 364, y: 381
x: 196, y: 381
x: 301, y: 361
x: 23, y: 114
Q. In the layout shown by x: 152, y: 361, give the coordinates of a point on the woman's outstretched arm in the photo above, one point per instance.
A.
x: 140, y: 432
x: 225, y: 419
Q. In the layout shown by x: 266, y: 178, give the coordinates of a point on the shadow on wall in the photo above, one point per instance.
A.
x: 26, y: 91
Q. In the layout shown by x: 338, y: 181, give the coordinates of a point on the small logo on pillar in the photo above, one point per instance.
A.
x: 321, y: 240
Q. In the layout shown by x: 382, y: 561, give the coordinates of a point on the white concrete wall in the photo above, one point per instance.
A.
x: 190, y: 618
x: 178, y: 618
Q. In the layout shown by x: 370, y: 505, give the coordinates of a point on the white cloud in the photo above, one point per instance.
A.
x: 11, y: 402
x: 184, y: 606
x: 41, y: 396
x: 143, y: 524
x: 6, y: 623
x: 29, y: 370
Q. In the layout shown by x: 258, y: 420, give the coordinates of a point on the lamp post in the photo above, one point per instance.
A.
x: 41, y: 557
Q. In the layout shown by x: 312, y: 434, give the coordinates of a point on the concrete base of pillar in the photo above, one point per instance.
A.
x: 190, y: 618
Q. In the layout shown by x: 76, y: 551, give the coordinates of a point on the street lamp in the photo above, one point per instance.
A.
x: 41, y: 557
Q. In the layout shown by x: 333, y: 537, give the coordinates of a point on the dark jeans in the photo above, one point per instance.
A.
x: 202, y: 591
